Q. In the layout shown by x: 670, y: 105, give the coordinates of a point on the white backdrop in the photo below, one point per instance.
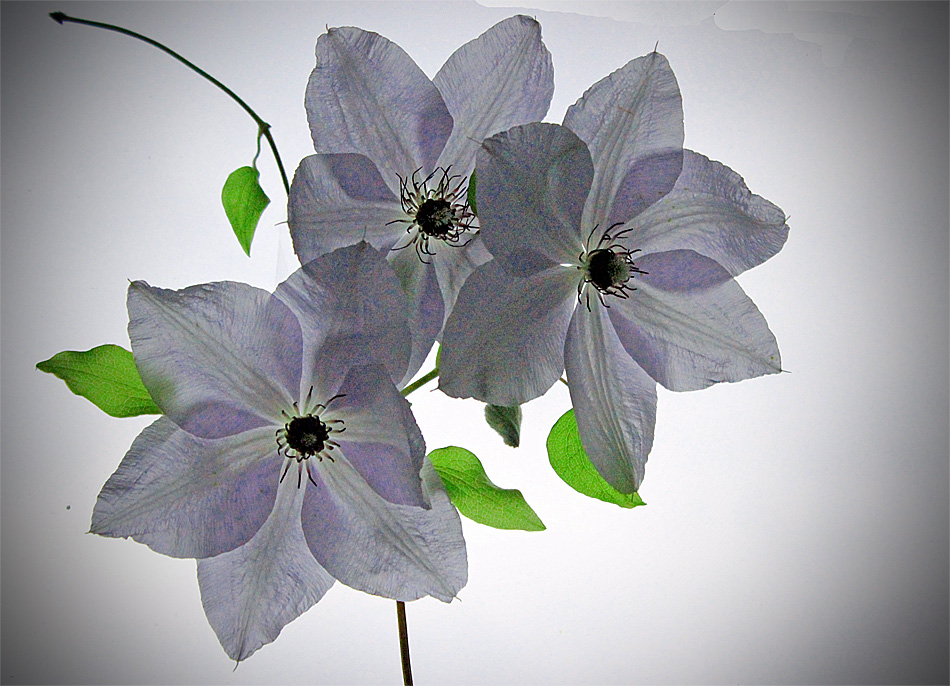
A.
x: 797, y: 525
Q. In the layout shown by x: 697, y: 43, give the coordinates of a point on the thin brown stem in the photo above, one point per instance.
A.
x: 404, y: 643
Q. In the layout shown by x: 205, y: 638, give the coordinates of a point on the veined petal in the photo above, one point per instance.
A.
x: 381, y: 439
x: 252, y: 592
x: 352, y: 310
x: 504, y: 341
x: 690, y: 325
x: 426, y: 310
x: 190, y: 497
x: 614, y: 399
x: 711, y: 211
x: 454, y: 265
x: 373, y: 545
x: 338, y: 200
x: 632, y: 121
x: 532, y: 184
x: 501, y: 79
x: 366, y: 95
x: 219, y: 358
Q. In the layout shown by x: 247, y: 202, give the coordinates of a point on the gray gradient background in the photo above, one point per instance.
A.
x: 797, y: 526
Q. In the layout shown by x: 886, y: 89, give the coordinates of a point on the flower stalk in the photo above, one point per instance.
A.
x: 262, y: 126
x: 404, y: 643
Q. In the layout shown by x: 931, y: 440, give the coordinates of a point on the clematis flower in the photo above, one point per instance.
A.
x: 396, y: 151
x: 614, y: 256
x: 286, y: 458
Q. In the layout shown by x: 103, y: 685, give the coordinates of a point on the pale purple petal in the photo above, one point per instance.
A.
x: 504, y: 341
x: 252, y: 592
x: 351, y: 307
x: 338, y: 200
x: 614, y: 399
x: 381, y: 439
x: 367, y: 96
x: 532, y: 184
x: 190, y: 497
x: 646, y: 181
x: 501, y: 79
x: 453, y: 265
x: 426, y: 310
x: 690, y: 325
x: 217, y: 359
x: 710, y: 210
x: 370, y: 544
x: 632, y: 121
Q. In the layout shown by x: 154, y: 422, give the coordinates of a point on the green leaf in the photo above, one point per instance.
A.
x: 106, y: 376
x: 571, y: 463
x: 471, y: 193
x: 244, y: 201
x: 506, y: 421
x: 477, y: 497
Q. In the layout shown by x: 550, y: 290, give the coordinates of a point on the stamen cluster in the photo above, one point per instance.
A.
x: 436, y: 208
x: 306, y: 435
x: 609, y: 266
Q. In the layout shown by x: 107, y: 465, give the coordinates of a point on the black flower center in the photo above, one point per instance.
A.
x: 436, y: 218
x: 609, y: 266
x: 306, y: 435
x: 437, y: 211
x: 607, y: 269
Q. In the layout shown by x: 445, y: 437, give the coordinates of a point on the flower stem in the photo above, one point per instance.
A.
x: 263, y: 127
x: 404, y: 642
x: 421, y: 381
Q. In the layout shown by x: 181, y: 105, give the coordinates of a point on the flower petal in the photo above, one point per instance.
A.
x: 454, y: 265
x: 710, y: 210
x: 690, y: 325
x: 632, y: 121
x: 219, y: 358
x: 501, y: 79
x: 381, y: 439
x: 251, y: 593
x: 373, y: 545
x: 351, y: 308
x: 532, y: 184
x: 614, y: 399
x: 426, y: 311
x: 366, y: 95
x: 190, y: 497
x: 504, y: 341
x: 338, y: 200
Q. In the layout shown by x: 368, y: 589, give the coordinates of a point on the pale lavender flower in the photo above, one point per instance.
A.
x: 614, y: 255
x: 397, y: 149
x: 285, y: 458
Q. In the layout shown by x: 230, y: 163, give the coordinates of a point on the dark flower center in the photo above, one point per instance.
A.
x: 436, y: 218
x: 305, y: 435
x: 608, y: 267
x: 436, y: 210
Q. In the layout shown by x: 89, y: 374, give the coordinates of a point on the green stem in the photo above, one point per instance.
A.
x: 421, y: 381
x: 263, y: 127
x: 404, y: 643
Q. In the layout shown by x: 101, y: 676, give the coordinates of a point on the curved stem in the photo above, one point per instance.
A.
x: 263, y: 127
x: 404, y: 643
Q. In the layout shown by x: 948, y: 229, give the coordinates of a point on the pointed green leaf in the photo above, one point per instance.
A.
x: 477, y: 497
x: 244, y: 201
x: 506, y: 421
x: 106, y: 376
x: 571, y: 463
x: 471, y: 193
